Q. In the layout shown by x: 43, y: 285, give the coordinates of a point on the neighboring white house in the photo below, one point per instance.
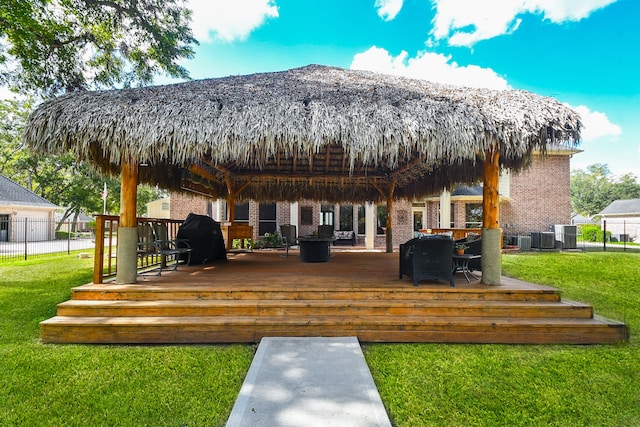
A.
x: 160, y: 208
x: 622, y: 218
x: 24, y: 213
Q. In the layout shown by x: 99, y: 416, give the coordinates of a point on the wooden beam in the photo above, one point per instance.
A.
x: 377, y: 187
x: 491, y: 233
x: 490, y: 190
x: 389, y: 233
x: 127, y: 254
x: 408, y: 166
x: 231, y: 199
x: 243, y: 186
x: 129, y: 195
x: 98, y: 258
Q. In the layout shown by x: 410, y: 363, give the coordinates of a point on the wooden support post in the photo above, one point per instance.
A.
x: 491, y: 233
x: 128, y: 225
x: 98, y: 257
x: 231, y: 207
x: 231, y: 199
x: 490, y: 191
x: 389, y: 232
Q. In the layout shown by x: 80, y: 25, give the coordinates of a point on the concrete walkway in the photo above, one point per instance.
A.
x: 309, y: 382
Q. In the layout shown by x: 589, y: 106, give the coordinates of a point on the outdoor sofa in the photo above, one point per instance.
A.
x: 427, y: 258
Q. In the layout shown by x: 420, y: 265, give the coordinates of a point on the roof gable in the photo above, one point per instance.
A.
x: 15, y: 195
x: 622, y: 207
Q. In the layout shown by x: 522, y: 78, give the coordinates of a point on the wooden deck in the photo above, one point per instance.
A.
x: 259, y: 294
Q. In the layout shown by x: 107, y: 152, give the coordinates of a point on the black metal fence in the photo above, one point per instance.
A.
x: 26, y: 238
x: 610, y: 235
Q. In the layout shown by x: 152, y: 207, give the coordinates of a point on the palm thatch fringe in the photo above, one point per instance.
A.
x: 315, y: 132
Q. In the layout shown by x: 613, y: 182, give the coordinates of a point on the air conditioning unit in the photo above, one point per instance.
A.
x: 524, y: 243
x: 547, y: 240
x: 543, y: 240
x: 566, y: 234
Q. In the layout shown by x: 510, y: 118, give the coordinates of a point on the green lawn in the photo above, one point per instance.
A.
x: 516, y: 385
x: 420, y: 384
x: 75, y: 385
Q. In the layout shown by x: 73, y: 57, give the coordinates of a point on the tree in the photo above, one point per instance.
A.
x: 61, y: 179
x: 53, y: 46
x: 13, y: 115
x: 594, y: 189
x: 626, y: 187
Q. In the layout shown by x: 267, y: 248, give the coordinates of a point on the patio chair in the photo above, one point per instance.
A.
x: 427, y: 259
x: 289, y: 236
x: 147, y: 249
x: 176, y: 249
x: 325, y: 231
x: 474, y: 247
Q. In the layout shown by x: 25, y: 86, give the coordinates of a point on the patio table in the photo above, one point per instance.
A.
x: 314, y: 248
x: 461, y: 263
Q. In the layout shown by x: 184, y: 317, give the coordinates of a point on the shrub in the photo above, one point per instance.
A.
x: 270, y: 240
x: 592, y: 233
x: 62, y: 235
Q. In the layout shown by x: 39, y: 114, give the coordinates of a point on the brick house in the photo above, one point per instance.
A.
x: 532, y: 200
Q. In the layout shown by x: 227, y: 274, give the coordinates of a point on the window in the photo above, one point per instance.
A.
x: 346, y: 218
x: 362, y: 221
x: 381, y: 218
x: 452, y: 218
x: 473, y: 217
x: 417, y: 220
x: 266, y: 218
x: 306, y: 215
x: 326, y: 214
x: 241, y: 212
x: 4, y: 228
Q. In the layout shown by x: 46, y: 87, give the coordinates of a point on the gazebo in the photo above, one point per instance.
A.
x: 316, y: 132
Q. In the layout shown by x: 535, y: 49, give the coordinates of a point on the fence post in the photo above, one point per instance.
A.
x: 25, y: 237
x: 604, y: 235
x: 69, y: 238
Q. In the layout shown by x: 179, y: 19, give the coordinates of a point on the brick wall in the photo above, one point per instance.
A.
x: 540, y: 196
x: 182, y: 204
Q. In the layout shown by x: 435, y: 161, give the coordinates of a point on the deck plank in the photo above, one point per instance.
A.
x: 256, y: 295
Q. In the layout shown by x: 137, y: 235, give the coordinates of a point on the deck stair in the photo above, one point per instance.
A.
x: 178, y: 310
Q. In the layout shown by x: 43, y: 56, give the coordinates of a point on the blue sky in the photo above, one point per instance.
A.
x: 585, y: 53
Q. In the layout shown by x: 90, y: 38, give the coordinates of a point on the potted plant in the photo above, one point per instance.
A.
x: 460, y: 248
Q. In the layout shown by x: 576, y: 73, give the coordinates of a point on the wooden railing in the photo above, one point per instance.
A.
x: 458, y: 233
x: 105, y: 265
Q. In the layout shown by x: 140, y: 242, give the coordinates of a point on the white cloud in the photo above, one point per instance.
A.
x: 465, y: 22
x: 428, y: 66
x: 229, y: 20
x: 596, y: 125
x: 388, y: 9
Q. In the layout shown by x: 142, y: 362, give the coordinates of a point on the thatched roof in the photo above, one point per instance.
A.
x: 315, y: 132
